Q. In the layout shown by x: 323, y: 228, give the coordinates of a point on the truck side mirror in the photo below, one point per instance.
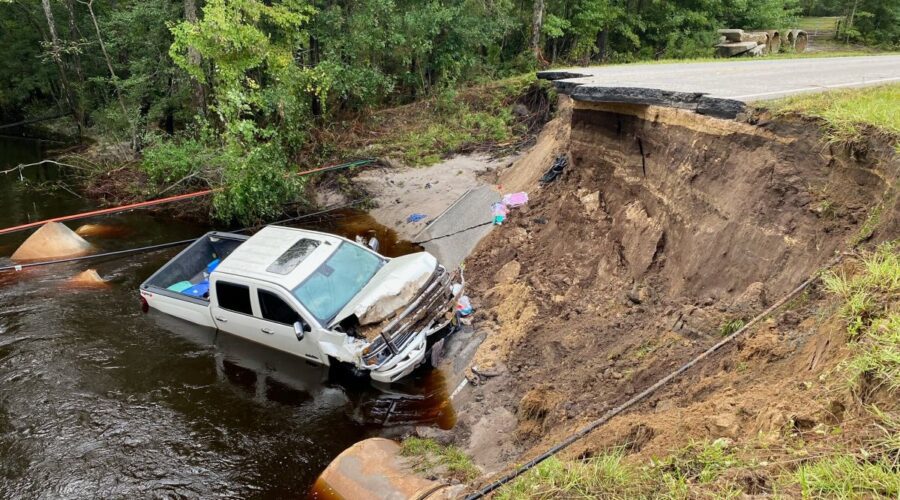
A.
x: 299, y: 330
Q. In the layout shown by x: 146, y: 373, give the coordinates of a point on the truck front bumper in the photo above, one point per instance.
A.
x: 403, y: 363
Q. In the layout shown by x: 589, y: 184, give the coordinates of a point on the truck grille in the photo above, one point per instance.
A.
x: 435, y: 300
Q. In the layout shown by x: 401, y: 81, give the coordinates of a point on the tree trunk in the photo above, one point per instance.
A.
x: 198, y: 90
x: 55, y: 54
x: 850, y: 21
x: 75, y: 34
x: 602, y: 43
x: 112, y: 74
x: 537, y: 20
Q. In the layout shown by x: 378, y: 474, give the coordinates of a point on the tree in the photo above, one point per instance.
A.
x: 536, y: 23
x: 193, y: 56
x: 56, y: 55
x: 112, y: 73
x: 259, y: 96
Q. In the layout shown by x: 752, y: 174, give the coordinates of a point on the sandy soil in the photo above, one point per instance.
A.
x: 401, y: 191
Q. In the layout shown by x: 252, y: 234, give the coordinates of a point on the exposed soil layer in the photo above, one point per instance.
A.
x: 666, y: 232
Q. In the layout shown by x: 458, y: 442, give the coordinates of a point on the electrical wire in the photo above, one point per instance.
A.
x: 453, y: 233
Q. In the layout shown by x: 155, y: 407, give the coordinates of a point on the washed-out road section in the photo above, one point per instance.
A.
x: 722, y: 88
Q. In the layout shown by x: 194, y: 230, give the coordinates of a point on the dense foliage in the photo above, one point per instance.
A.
x: 234, y: 87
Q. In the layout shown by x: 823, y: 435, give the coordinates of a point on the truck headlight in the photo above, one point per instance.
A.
x: 374, y: 357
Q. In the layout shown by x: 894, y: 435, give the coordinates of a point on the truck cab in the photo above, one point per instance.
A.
x: 318, y: 296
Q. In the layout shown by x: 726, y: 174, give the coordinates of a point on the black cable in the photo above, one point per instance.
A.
x: 160, y: 246
x: 453, y: 234
x: 19, y: 267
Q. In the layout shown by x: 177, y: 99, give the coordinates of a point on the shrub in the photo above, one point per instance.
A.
x: 167, y: 161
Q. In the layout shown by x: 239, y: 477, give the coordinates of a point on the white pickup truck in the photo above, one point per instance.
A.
x: 318, y: 296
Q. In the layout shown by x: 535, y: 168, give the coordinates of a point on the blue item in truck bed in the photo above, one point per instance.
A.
x: 212, y: 266
x: 199, y: 291
x: 180, y: 286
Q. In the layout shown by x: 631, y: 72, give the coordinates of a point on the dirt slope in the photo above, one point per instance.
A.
x: 666, y: 231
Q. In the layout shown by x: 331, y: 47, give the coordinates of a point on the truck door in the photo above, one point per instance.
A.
x: 278, y: 318
x: 232, y: 309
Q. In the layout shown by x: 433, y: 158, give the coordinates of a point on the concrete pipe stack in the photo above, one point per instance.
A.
x: 736, y: 42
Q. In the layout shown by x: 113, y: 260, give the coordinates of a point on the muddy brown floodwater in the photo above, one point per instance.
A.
x: 100, y: 400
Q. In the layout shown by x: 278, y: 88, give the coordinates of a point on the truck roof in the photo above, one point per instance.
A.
x: 280, y: 255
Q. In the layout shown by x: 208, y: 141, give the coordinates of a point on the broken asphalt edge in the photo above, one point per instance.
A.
x: 567, y: 82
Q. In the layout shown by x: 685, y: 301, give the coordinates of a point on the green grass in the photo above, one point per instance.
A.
x: 848, y: 113
x: 873, y: 219
x: 710, y: 470
x: 432, y: 457
x: 845, y: 476
x: 609, y: 476
x: 605, y: 476
x: 729, y: 327
x: 701, y: 462
x: 813, y: 24
x: 479, y: 117
x: 871, y: 310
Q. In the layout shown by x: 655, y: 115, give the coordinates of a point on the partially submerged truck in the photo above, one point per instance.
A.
x: 318, y: 296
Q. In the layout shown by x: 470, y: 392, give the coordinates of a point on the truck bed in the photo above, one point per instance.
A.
x: 186, y: 276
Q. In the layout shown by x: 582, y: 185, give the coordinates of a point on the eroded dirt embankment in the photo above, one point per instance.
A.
x: 666, y: 232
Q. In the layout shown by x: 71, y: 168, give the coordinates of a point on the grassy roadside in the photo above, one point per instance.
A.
x: 848, y: 114
x: 865, y: 297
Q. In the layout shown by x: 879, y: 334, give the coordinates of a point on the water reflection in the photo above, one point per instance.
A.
x: 350, y: 223
x: 274, y: 377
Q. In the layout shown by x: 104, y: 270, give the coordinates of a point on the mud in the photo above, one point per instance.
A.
x: 667, y: 229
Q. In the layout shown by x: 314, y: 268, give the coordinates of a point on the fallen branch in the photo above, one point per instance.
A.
x: 178, y: 183
x: 21, y: 166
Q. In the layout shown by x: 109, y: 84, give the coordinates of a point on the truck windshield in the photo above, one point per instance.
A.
x: 339, y: 279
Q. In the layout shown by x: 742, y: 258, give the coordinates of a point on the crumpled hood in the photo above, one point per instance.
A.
x: 394, y: 286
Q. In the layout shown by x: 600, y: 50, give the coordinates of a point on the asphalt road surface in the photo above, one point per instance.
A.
x: 724, y: 82
x: 742, y: 79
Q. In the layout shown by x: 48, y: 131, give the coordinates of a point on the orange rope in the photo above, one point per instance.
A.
x: 105, y: 211
x: 143, y: 204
